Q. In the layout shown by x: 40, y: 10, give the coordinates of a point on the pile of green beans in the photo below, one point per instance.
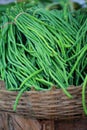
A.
x: 40, y: 48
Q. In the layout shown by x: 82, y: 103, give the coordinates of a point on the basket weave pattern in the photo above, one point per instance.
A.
x: 44, y: 104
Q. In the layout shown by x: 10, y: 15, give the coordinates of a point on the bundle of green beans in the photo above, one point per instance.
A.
x: 40, y: 48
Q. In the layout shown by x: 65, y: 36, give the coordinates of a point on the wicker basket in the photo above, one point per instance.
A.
x: 52, y: 104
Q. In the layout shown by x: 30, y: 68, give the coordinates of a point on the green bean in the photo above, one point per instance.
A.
x: 30, y: 76
x: 62, y: 87
x: 83, y: 95
x: 44, y: 81
x: 79, y: 58
x: 18, y: 97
